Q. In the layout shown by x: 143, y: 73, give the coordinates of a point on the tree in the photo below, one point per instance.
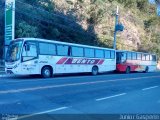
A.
x: 23, y: 29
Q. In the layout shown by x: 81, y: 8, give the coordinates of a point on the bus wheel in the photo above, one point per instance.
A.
x: 94, y: 70
x: 146, y: 70
x: 46, y: 72
x: 128, y: 70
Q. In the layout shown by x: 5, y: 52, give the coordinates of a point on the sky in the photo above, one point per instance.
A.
x: 158, y: 10
x: 152, y: 1
x: 158, y: 6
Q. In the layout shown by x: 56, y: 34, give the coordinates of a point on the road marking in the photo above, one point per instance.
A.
x: 99, y: 99
x: 50, y: 79
x: 150, y: 88
x: 67, y: 85
x: 43, y: 112
x: 2, y: 75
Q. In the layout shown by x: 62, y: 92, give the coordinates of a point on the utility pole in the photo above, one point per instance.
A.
x: 115, y: 31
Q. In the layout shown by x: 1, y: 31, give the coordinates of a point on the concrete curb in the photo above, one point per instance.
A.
x: 2, y: 75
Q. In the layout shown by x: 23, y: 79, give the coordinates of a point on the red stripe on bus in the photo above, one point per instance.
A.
x: 100, y: 62
x: 61, y: 61
x: 82, y: 61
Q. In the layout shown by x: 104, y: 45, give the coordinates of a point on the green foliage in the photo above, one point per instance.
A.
x: 156, y: 44
x: 69, y: 2
x: 105, y: 41
x: 45, y: 4
x: 142, y: 5
x: 80, y: 1
x: 51, y: 33
x: 127, y: 3
x: 96, y: 12
x: 32, y: 22
x: 147, y: 23
x: 26, y: 30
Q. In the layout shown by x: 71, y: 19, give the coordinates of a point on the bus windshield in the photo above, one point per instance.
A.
x: 13, y: 52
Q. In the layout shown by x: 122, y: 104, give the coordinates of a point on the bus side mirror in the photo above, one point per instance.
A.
x: 27, y: 47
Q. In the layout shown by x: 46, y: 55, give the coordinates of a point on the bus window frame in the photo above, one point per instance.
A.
x: 85, y: 52
x: 78, y: 47
x: 113, y: 54
x: 130, y: 57
x: 105, y: 54
x: 67, y: 51
x: 145, y: 57
x: 101, y: 50
x: 140, y: 57
x: 47, y: 43
x: 37, y: 57
x: 149, y: 57
x: 155, y: 58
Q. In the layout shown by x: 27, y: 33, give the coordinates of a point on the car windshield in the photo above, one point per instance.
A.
x: 13, y: 52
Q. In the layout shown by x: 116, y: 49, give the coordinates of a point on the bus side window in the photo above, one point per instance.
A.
x: 62, y: 50
x: 112, y: 54
x: 154, y: 58
x: 139, y: 56
x: 29, y: 52
x: 134, y: 56
x: 124, y: 57
x: 147, y: 57
x: 99, y: 53
x: 107, y: 54
x: 47, y: 49
x: 150, y: 57
x: 89, y: 52
x: 77, y: 52
x: 129, y: 56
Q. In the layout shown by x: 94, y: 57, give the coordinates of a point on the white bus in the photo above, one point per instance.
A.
x: 28, y: 56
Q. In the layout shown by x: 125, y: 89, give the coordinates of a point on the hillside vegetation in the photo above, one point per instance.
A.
x: 90, y: 22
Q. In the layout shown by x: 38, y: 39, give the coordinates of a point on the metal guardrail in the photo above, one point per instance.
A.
x: 1, y: 62
x: 2, y: 66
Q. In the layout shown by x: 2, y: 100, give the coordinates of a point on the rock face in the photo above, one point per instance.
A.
x: 89, y: 22
x: 99, y: 16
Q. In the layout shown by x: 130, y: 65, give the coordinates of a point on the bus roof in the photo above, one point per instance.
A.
x: 133, y: 51
x: 59, y: 42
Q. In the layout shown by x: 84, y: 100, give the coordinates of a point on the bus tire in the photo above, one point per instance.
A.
x: 46, y: 72
x: 94, y: 70
x: 128, y: 70
x: 146, y: 69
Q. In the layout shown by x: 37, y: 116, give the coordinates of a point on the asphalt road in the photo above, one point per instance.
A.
x: 136, y: 93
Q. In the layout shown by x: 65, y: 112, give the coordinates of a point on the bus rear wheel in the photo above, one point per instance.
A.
x: 128, y: 70
x: 46, y: 72
x: 94, y: 70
